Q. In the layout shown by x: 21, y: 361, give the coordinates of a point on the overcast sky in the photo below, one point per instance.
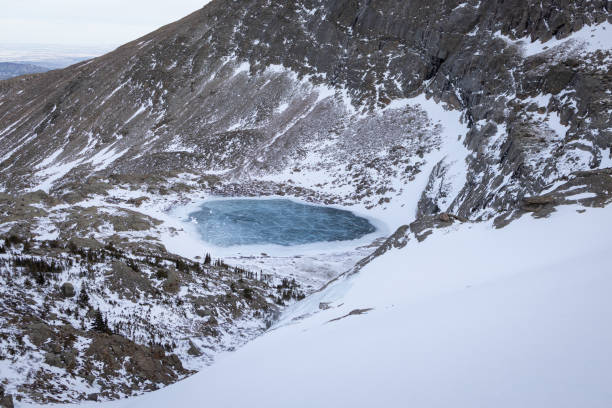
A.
x: 87, y: 22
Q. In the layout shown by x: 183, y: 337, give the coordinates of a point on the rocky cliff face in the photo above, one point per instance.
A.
x: 477, y: 109
x: 254, y: 88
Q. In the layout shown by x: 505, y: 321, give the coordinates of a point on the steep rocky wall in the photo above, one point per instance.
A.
x: 239, y: 88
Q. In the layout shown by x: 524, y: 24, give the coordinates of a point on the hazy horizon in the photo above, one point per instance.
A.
x: 75, y: 23
x: 50, y: 55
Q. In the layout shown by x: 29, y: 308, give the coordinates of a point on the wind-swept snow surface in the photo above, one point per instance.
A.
x: 472, y: 316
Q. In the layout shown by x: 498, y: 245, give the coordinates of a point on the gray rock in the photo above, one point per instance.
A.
x: 67, y: 290
x: 126, y: 281
x: 39, y: 332
x: 212, y: 321
x: 69, y: 357
x: 172, y: 283
x: 444, y: 217
x: 7, y: 401
x: 80, y: 242
x: 54, y: 360
x: 557, y: 79
x: 194, y: 350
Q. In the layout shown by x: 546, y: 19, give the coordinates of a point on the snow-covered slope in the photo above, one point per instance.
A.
x: 473, y: 316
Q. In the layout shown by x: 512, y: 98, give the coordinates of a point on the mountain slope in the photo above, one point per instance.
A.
x: 249, y: 90
x: 421, y: 114
x: 475, y: 326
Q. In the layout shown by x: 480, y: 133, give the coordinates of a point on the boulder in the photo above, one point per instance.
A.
x: 54, y: 360
x: 39, y: 333
x: 193, y: 350
x: 444, y: 217
x: 67, y: 290
x: 81, y: 242
x: 6, y: 400
x: 127, y: 282
x: 557, y: 79
x: 539, y: 200
x: 172, y: 284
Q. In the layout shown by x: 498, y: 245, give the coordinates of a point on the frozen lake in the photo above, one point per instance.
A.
x: 237, y: 222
